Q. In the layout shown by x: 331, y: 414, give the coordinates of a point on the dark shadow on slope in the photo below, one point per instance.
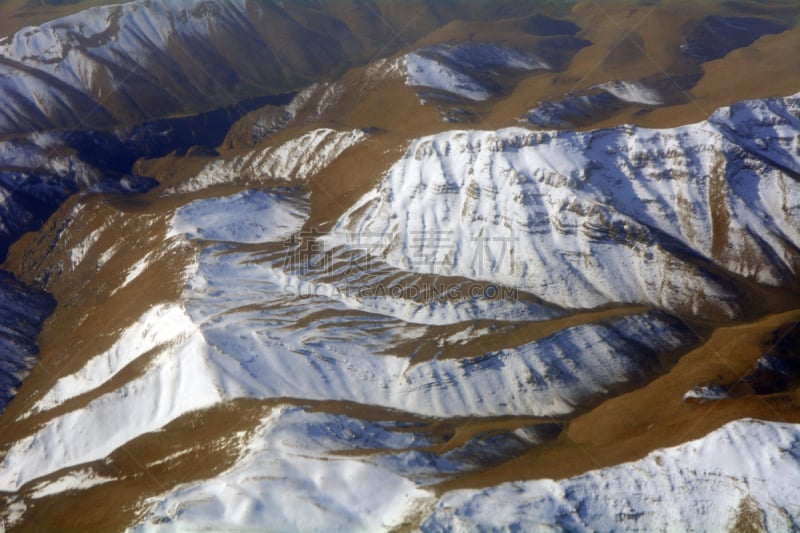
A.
x: 597, y: 104
x: 495, y: 68
x: 575, y: 110
x: 117, y: 150
x: 778, y: 370
x: 716, y: 36
x: 559, y: 51
x: 710, y: 38
x: 545, y: 26
x: 34, y: 194
x: 23, y: 311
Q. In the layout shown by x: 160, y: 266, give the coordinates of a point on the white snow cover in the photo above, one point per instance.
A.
x: 240, y: 333
x: 600, y: 215
x: 287, y: 479
x: 336, y: 353
x: 584, y: 219
x: 139, y: 22
x: 177, y: 381
x: 632, y: 92
x: 361, y: 283
x: 747, y: 467
x: 455, y: 68
x: 300, y: 158
x: 767, y: 128
x: 160, y: 326
x: 248, y: 217
x: 60, y: 68
x: 77, y: 480
x: 423, y: 71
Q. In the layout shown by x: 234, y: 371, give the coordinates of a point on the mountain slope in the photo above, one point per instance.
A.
x: 254, y: 310
x: 22, y: 313
x: 141, y: 60
x: 743, y: 476
x: 346, y: 316
x: 586, y: 219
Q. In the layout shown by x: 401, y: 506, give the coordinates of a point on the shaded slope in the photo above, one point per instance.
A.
x: 137, y: 61
x: 23, y: 311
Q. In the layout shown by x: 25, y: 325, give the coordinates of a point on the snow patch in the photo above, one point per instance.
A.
x: 632, y: 92
x: 422, y: 71
x: 13, y: 513
x: 136, y: 270
x: 298, y: 159
x: 706, y: 392
x: 77, y: 480
x: 248, y: 217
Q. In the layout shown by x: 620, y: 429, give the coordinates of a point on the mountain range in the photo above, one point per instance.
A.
x: 375, y: 265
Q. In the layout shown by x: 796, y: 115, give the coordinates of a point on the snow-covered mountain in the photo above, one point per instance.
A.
x: 114, y: 62
x: 745, y: 474
x: 145, y: 59
x: 742, y: 477
x: 238, y: 334
x: 258, y: 324
x: 138, y: 60
x: 338, y: 314
x: 587, y: 219
x: 295, y: 160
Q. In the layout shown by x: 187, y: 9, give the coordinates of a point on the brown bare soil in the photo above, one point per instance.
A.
x: 90, y: 312
x: 196, y: 446
x: 629, y: 426
x: 503, y: 334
